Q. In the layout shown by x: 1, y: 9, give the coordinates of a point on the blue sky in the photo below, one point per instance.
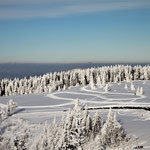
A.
x: 68, y: 31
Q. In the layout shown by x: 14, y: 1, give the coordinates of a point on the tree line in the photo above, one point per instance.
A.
x: 62, y: 80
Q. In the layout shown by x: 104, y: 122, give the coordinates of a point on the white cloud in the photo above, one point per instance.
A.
x: 20, y: 9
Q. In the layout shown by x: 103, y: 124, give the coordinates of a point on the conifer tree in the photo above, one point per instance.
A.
x: 112, y: 132
x: 96, y: 124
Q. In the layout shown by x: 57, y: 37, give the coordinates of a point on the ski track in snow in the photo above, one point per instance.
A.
x: 97, y: 95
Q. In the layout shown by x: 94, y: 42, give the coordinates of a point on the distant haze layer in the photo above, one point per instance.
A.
x: 17, y: 70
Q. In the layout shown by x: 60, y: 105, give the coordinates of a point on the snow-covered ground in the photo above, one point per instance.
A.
x: 37, y: 108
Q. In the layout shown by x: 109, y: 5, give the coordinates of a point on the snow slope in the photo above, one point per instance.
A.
x: 37, y: 108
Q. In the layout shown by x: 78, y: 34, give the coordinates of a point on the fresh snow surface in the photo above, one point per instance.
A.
x: 34, y: 109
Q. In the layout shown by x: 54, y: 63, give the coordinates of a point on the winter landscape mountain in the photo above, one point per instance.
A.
x: 74, y: 74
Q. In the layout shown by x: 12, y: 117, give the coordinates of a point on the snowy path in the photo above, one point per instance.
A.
x: 93, y: 98
x: 90, y: 97
x: 101, y: 99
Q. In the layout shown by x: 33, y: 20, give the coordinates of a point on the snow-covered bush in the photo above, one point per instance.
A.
x: 17, y: 135
x: 11, y: 105
x: 7, y: 110
x: 6, y: 144
x: 139, y: 91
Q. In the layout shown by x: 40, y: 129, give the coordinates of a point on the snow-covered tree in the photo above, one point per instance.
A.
x: 139, y: 91
x: 112, y: 132
x: 11, y: 105
x: 126, y: 86
x: 81, y: 126
x: 96, y: 124
x: 92, y: 84
x: 78, y: 131
x: 107, y: 88
x: 62, y: 80
x: 99, y: 82
x: 132, y: 87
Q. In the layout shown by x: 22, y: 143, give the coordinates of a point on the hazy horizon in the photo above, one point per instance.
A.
x: 21, y: 70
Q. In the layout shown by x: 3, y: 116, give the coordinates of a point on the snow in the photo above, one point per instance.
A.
x: 34, y: 109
